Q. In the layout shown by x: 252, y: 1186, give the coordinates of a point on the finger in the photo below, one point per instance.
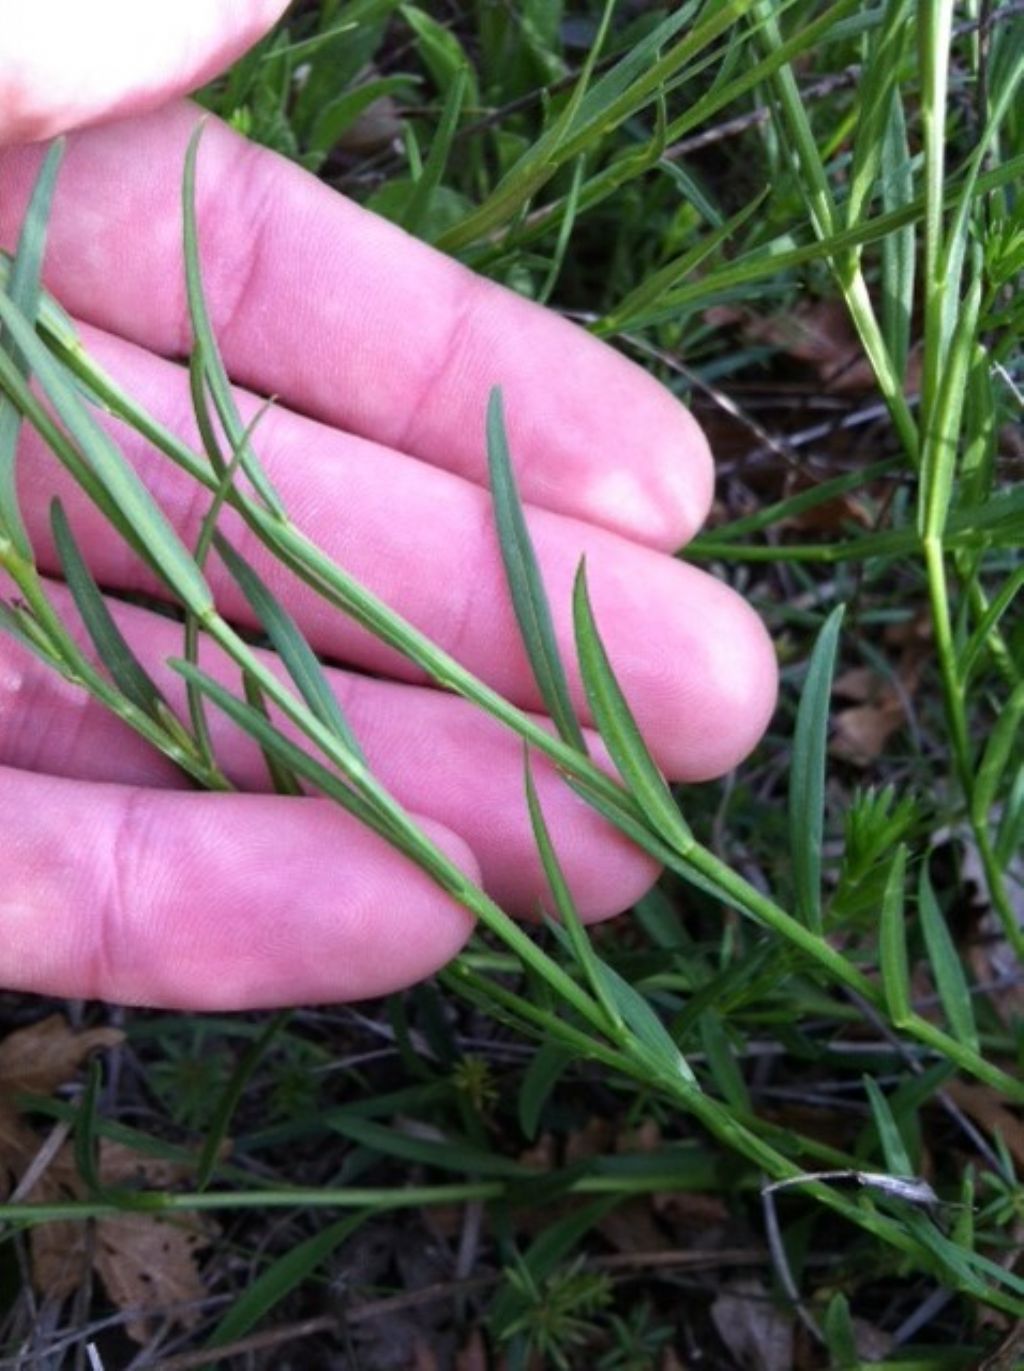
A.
x: 695, y: 661
x: 66, y: 63
x: 210, y: 901
x: 436, y: 754
x: 351, y: 321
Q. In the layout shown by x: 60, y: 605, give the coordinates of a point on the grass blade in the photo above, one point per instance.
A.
x: 617, y: 726
x: 282, y: 778
x: 282, y: 1277
x: 892, y: 943
x: 211, y: 363
x: 298, y: 657
x: 579, y: 940
x: 128, y: 673
x: 25, y: 292
x: 126, y: 492
x: 529, y: 599
x: 417, y: 211
x: 950, y: 981
x: 548, y: 1065
x: 807, y: 782
x: 228, y: 1101
x: 638, y: 1016
x: 893, y: 1149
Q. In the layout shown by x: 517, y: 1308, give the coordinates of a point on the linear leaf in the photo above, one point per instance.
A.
x: 579, y: 941
x: 893, y: 1149
x: 282, y: 1277
x: 950, y: 981
x: 271, y: 739
x: 526, y: 586
x: 122, y: 484
x: 722, y: 1062
x: 807, y: 777
x: 232, y: 1093
x: 211, y: 363
x: 893, y: 943
x: 128, y: 673
x: 637, y: 1014
x: 298, y: 657
x: 617, y: 726
x: 25, y: 291
x: 546, y: 1068
x: 282, y: 778
x: 1000, y: 750
x: 417, y: 209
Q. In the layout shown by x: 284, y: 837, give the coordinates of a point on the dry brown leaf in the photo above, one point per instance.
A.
x: 630, y: 1227
x: 148, y: 1263
x: 756, y: 1332
x: 48, y: 1054
x: 862, y: 731
x: 986, y: 1108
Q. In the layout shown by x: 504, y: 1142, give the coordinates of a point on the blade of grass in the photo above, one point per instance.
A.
x: 127, y: 672
x: 526, y: 587
x: 617, y: 726
x: 281, y: 1277
x: 232, y: 1094
x: 807, y: 774
x: 579, y: 940
x: 427, y: 182
x: 950, y: 981
x: 212, y: 364
x: 24, y: 290
x: 892, y: 942
x: 298, y: 657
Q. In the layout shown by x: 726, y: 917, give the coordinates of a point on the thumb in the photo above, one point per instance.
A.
x: 69, y: 62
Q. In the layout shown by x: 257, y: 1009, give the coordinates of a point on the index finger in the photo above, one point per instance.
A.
x: 352, y: 321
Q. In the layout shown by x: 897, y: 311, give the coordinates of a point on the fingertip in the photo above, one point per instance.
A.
x: 735, y: 669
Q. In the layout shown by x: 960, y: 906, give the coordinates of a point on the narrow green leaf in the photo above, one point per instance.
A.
x: 284, y: 1275
x: 85, y: 1144
x: 127, y: 672
x: 232, y: 1093
x: 416, y: 216
x: 210, y: 361
x: 124, y: 487
x: 526, y: 586
x: 272, y: 740
x: 443, y: 1154
x: 579, y: 940
x: 544, y: 1254
x: 807, y: 776
x: 895, y: 1153
x: 25, y: 291
x: 1002, y: 748
x: 840, y: 1335
x: 283, y: 780
x: 637, y: 1014
x: 899, y: 248
x: 1000, y: 603
x: 630, y: 310
x: 950, y: 981
x: 443, y: 55
x: 892, y: 943
x: 618, y: 728
x: 1010, y: 835
x: 298, y: 657
x: 722, y: 1062
x: 548, y: 1065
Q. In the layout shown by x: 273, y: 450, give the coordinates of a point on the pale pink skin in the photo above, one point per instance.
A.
x: 115, y: 881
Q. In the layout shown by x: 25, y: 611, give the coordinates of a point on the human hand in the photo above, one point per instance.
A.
x: 115, y: 882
